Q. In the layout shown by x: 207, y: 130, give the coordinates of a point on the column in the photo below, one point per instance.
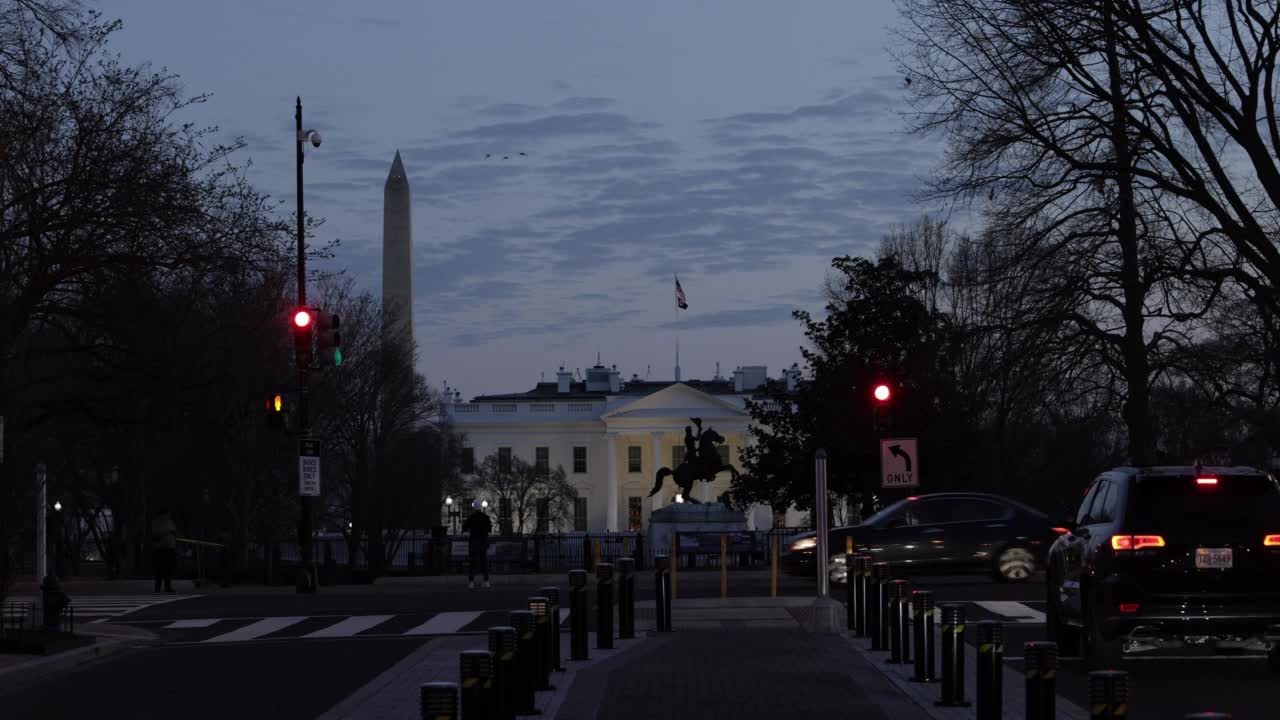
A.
x: 657, y: 463
x: 611, y: 494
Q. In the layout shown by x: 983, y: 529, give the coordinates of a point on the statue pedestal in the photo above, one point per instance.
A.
x: 691, y: 518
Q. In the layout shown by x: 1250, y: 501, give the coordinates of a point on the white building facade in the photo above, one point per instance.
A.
x: 611, y: 437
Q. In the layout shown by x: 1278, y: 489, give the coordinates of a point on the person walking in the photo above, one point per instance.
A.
x: 164, y: 538
x: 477, y: 527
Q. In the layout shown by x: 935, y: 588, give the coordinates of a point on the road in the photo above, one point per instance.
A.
x: 272, y: 653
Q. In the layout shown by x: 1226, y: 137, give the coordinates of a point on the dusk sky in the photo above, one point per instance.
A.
x: 740, y: 144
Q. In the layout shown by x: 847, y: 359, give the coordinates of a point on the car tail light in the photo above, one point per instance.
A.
x: 1136, y: 542
x: 1061, y: 530
x: 1206, y: 481
x: 1271, y: 541
x: 1129, y: 607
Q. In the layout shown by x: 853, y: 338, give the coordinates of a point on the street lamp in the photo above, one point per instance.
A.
x: 452, y: 512
x: 307, y: 578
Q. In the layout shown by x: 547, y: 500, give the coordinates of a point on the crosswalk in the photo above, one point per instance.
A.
x: 1010, y: 612
x: 100, y: 608
x: 305, y: 627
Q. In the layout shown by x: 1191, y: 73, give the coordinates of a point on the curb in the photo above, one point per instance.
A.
x: 43, y: 667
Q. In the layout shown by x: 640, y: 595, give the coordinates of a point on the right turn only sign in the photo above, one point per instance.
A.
x: 899, y: 463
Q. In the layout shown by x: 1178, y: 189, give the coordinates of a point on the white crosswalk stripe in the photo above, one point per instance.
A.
x: 353, y: 625
x: 251, y: 631
x: 446, y: 623
x: 1013, y: 612
x: 102, y: 607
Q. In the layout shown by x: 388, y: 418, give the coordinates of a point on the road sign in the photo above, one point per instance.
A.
x: 899, y: 463
x: 309, y: 467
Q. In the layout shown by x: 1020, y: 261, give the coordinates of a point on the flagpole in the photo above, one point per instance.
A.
x: 677, y: 324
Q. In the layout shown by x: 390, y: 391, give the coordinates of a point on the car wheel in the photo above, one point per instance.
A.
x: 1015, y: 564
x: 1066, y: 636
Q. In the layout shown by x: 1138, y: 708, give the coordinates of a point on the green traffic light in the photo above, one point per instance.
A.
x: 337, y: 357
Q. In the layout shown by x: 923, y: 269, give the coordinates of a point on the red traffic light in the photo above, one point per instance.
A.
x: 881, y: 392
x: 302, y: 319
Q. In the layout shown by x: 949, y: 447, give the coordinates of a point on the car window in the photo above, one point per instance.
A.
x: 976, y: 510
x: 929, y: 512
x: 1104, y: 501
x: 887, y: 515
x: 1082, y: 516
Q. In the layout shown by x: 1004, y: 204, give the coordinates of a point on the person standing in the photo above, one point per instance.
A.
x: 164, y: 538
x: 477, y: 527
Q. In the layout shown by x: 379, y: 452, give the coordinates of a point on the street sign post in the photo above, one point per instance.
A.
x: 309, y: 467
x: 899, y: 463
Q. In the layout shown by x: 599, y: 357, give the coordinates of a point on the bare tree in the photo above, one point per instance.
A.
x: 519, y: 490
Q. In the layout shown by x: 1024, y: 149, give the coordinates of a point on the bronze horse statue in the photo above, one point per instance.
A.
x: 705, y: 468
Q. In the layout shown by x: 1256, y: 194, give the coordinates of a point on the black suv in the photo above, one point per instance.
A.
x: 1162, y: 557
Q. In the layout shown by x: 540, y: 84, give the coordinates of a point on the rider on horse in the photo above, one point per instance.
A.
x: 691, y: 442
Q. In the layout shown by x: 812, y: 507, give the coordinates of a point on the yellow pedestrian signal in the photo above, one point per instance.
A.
x: 277, y: 403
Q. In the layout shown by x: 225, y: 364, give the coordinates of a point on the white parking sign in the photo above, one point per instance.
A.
x: 899, y: 463
x: 309, y: 468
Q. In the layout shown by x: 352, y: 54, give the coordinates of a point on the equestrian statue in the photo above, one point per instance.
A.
x: 701, y: 461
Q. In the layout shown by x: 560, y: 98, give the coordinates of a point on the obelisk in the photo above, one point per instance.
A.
x: 397, y: 252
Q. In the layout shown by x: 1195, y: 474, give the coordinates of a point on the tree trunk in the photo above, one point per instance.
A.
x: 1137, y: 408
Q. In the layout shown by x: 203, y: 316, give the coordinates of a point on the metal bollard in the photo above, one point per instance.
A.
x: 879, y: 596
x: 578, y: 615
x: 662, y: 586
x: 1040, y: 662
x: 850, y: 596
x: 925, y: 644
x: 626, y: 598
x: 899, y: 596
x: 438, y: 701
x: 477, y: 684
x: 862, y: 565
x: 540, y: 607
x: 1108, y: 694
x: 502, y: 643
x: 526, y: 661
x: 604, y: 606
x: 952, y: 656
x: 553, y: 596
x: 990, y: 670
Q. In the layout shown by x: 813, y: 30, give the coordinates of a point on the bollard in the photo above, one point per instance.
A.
x: 925, y: 644
x: 1040, y: 663
x: 898, y: 637
x: 553, y: 596
x: 604, y: 606
x: 662, y: 587
x: 675, y: 564
x: 438, y: 701
x: 578, y: 615
x: 502, y: 643
x: 626, y: 598
x: 952, y: 656
x: 876, y: 616
x: 540, y: 607
x: 990, y: 670
x: 773, y: 564
x: 477, y: 684
x: 526, y: 661
x: 863, y: 576
x: 850, y: 597
x: 724, y: 566
x: 1108, y: 694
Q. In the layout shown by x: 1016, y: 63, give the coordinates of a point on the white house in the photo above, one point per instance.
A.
x: 611, y: 436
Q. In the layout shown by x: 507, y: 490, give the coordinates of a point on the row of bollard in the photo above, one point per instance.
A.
x: 501, y: 683
x: 900, y: 621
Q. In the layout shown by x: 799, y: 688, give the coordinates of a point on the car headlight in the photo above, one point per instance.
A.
x: 804, y: 544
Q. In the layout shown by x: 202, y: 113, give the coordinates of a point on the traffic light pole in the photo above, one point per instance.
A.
x: 306, y: 576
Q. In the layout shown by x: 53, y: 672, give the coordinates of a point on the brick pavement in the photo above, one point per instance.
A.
x: 737, y: 674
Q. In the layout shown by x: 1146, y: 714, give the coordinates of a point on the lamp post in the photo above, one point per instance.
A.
x: 307, y: 576
x: 452, y: 512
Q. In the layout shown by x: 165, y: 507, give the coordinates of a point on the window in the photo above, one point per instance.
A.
x: 635, y: 513
x: 467, y: 462
x: 633, y: 459
x: 1104, y: 506
x: 504, y: 459
x: 580, y: 513
x: 974, y: 510
x: 504, y: 517
x: 928, y: 512
x: 580, y: 459
x: 543, y: 514
x: 542, y: 460
x: 724, y: 454
x: 1082, y: 517
x: 677, y: 456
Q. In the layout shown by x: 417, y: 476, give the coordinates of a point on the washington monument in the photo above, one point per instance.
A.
x: 397, y: 250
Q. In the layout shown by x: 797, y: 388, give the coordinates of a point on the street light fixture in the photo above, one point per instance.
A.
x: 452, y: 512
x: 307, y: 578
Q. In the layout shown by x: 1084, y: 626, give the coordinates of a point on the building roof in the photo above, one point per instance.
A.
x: 634, y: 388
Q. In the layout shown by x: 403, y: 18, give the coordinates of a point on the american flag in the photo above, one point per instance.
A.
x: 680, y: 301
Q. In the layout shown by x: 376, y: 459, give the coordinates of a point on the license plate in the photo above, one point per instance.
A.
x: 1213, y: 558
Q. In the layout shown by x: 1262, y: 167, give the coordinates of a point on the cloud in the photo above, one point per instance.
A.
x: 861, y: 104
x: 509, y: 110
x: 743, y: 317
x: 560, y: 126
x: 585, y: 103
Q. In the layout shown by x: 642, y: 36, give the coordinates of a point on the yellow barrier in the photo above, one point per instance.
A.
x: 724, y: 566
x: 773, y: 565
x: 675, y: 561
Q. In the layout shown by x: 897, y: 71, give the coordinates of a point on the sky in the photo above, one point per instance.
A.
x: 739, y: 144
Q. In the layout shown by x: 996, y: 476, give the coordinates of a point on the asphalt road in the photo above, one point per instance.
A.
x: 272, y: 653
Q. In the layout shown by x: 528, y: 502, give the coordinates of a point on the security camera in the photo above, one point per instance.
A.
x: 315, y: 138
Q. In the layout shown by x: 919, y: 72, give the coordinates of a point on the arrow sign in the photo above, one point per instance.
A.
x: 897, y: 450
x: 899, y: 463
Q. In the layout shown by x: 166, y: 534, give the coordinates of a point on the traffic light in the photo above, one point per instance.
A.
x: 304, y: 329
x: 328, y: 339
x: 277, y: 411
x: 881, y: 408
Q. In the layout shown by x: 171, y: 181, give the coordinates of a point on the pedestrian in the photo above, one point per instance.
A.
x: 477, y: 527
x: 164, y: 539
